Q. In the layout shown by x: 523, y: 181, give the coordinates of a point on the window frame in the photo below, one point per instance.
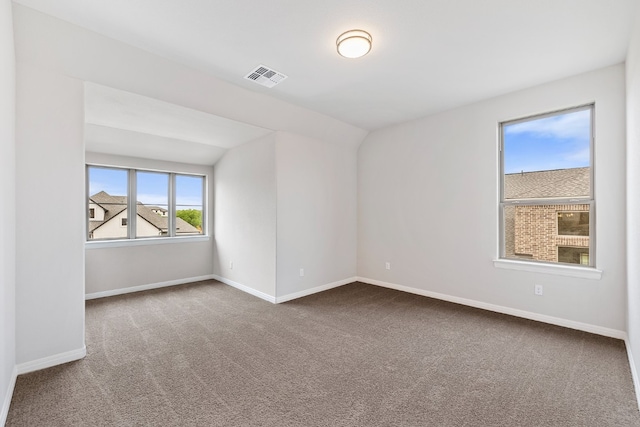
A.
x: 131, y: 239
x: 548, y: 201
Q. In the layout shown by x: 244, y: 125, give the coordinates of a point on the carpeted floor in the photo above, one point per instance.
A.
x: 207, y: 354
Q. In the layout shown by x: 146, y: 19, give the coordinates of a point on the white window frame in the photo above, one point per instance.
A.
x: 574, y: 270
x: 131, y: 239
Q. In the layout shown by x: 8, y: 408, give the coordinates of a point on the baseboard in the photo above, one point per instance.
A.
x: 315, y: 290
x: 8, y: 396
x: 56, y: 359
x: 594, y: 329
x: 284, y: 298
x: 246, y: 289
x: 634, y: 371
x: 131, y: 289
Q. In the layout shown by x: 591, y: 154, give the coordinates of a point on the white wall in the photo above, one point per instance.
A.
x: 245, y: 215
x: 149, y: 264
x: 50, y: 249
x: 317, y: 194
x: 310, y: 187
x: 7, y: 210
x: 633, y: 195
x: 428, y: 204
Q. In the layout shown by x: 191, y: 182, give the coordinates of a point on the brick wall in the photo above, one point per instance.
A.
x: 535, y: 231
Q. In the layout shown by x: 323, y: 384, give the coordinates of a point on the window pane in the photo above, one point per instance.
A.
x: 548, y: 157
x: 573, y: 255
x: 573, y: 223
x: 107, y: 203
x: 152, y: 204
x: 538, y: 232
x: 189, y: 203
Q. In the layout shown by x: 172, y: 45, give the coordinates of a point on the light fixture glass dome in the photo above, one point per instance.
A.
x: 354, y: 43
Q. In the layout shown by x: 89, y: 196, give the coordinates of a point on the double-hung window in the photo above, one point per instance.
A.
x: 547, y: 207
x: 133, y: 204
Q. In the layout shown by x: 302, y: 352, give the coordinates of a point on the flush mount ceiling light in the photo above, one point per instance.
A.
x: 354, y: 43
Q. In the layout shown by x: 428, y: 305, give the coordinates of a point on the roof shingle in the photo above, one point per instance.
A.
x: 558, y: 183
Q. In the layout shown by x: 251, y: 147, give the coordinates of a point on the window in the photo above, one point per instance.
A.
x: 189, y: 203
x: 573, y: 223
x: 152, y: 195
x: 573, y: 255
x: 546, y: 192
x: 108, y: 199
x: 166, y: 204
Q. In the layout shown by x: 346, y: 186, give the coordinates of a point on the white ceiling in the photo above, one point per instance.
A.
x: 123, y: 123
x: 427, y: 56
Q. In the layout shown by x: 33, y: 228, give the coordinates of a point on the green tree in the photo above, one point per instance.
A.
x: 192, y: 216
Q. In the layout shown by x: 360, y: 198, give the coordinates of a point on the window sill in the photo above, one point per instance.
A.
x: 559, y: 270
x: 98, y: 244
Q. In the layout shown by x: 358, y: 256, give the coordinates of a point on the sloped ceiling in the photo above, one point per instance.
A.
x: 123, y: 123
x: 427, y: 56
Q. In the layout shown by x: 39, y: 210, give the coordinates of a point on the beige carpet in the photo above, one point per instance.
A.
x: 207, y: 354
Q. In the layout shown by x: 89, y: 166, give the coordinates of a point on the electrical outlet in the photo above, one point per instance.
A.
x: 387, y: 265
x: 231, y: 265
x: 538, y: 290
x: 301, y: 272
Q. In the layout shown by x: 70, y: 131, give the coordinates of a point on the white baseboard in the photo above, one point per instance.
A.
x: 7, y: 398
x: 315, y: 290
x: 56, y: 359
x: 594, y: 329
x: 246, y: 289
x: 634, y: 371
x: 131, y: 289
x: 284, y: 298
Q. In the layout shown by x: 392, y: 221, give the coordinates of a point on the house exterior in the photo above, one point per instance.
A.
x: 159, y: 210
x: 555, y: 233
x: 108, y: 217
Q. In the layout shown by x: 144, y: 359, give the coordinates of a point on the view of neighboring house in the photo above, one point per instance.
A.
x: 557, y: 233
x: 158, y: 210
x: 108, y: 216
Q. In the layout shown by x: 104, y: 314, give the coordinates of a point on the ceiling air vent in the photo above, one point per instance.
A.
x: 265, y: 76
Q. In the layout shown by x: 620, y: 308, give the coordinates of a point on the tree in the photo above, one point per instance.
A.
x: 192, y: 216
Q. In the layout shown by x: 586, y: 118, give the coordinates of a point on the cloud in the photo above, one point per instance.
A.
x: 574, y: 125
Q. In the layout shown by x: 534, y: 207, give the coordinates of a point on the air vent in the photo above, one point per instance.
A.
x: 265, y: 76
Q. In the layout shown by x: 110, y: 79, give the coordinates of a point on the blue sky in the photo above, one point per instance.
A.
x: 152, y: 187
x: 556, y: 142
